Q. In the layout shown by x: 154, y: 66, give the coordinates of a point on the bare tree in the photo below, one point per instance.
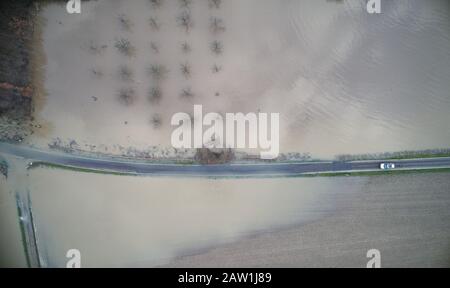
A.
x: 154, y: 23
x: 155, y: 95
x: 156, y: 121
x: 185, y: 47
x: 96, y: 49
x: 158, y: 71
x: 97, y: 73
x: 125, y: 73
x: 217, y: 25
x: 125, y: 22
x: 217, y: 47
x: 156, y: 3
x: 126, y: 96
x: 185, y: 70
x: 185, y: 3
x: 185, y: 21
x: 187, y: 93
x: 124, y: 46
x: 216, y: 68
x: 154, y: 47
x: 215, y: 3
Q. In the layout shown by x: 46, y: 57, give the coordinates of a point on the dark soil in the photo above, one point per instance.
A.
x: 214, y: 156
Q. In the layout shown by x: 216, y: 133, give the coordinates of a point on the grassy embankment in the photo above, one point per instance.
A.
x: 399, y: 155
x: 77, y: 169
x: 326, y: 174
x: 379, y: 173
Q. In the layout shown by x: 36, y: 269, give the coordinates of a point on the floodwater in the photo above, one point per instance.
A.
x: 144, y: 221
x: 123, y: 221
x: 406, y: 218
x: 342, y: 80
x: 336, y: 74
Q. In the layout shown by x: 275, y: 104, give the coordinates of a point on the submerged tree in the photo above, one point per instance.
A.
x: 187, y: 93
x: 217, y: 47
x: 156, y: 3
x: 124, y: 46
x: 158, y: 71
x: 217, y: 25
x: 126, y: 96
x: 185, y: 21
x: 125, y: 73
x: 154, y: 47
x: 156, y: 121
x: 185, y: 3
x: 215, y: 3
x: 186, y: 70
x: 97, y: 72
x: 185, y: 47
x: 96, y: 49
x: 216, y: 68
x: 155, y: 95
x: 125, y: 22
x: 154, y: 23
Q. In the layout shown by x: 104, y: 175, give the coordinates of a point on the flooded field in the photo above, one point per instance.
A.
x: 406, y: 218
x: 343, y: 81
x: 141, y: 221
x: 146, y: 221
x: 116, y: 73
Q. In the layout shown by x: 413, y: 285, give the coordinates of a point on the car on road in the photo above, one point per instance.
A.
x: 386, y: 166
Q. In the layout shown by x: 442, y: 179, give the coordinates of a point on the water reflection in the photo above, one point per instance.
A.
x: 335, y: 73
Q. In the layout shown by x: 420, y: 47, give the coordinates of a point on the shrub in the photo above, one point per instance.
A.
x: 124, y: 46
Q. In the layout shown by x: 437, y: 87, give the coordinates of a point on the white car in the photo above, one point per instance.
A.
x: 386, y: 166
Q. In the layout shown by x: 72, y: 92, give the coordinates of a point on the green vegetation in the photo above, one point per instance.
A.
x: 185, y: 162
x: 78, y: 169
x: 429, y: 153
x: 424, y: 155
x: 377, y: 173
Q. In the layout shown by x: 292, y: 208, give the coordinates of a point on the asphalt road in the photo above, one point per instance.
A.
x: 276, y: 169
